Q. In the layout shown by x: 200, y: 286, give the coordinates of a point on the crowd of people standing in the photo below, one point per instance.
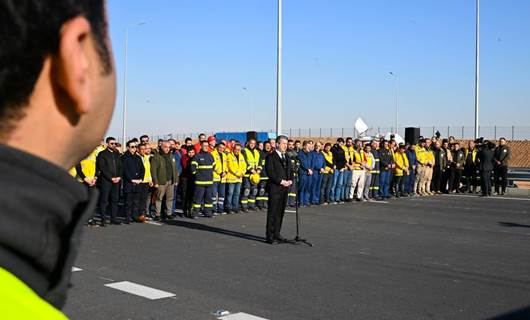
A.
x: 211, y: 177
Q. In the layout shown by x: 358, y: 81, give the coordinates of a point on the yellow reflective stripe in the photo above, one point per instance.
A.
x: 264, y: 178
x: 244, y: 201
x: 208, y: 205
x: 195, y: 163
x: 203, y: 182
x: 205, y: 167
x: 196, y: 205
x: 292, y: 194
x: 262, y: 198
x: 251, y: 201
x: 216, y: 179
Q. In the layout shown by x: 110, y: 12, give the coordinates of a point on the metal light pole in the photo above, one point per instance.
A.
x: 279, y: 74
x: 477, y: 68
x: 125, y: 82
x: 396, y: 88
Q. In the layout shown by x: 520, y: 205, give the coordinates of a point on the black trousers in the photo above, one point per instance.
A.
x: 276, y: 209
x: 456, y: 176
x: 445, y: 180
x: 501, y: 178
x: 437, y: 179
x: 144, y: 193
x: 109, y: 197
x: 133, y: 196
x: 374, y: 186
x: 471, y: 179
x: 485, y: 182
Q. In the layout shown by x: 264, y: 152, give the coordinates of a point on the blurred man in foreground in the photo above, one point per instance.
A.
x: 57, y: 84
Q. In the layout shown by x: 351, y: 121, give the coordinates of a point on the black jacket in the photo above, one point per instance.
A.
x: 485, y: 156
x: 43, y: 211
x: 108, y: 165
x: 503, y: 154
x: 386, y: 159
x: 277, y: 170
x: 133, y: 169
x: 339, y: 156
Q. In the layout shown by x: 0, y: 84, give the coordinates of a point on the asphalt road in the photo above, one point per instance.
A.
x: 443, y: 257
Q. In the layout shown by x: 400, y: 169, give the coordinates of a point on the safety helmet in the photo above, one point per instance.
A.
x: 254, y: 178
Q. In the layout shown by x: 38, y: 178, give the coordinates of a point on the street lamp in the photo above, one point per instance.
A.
x: 477, y: 67
x: 396, y: 92
x: 279, y: 73
x: 138, y: 24
x: 250, y: 107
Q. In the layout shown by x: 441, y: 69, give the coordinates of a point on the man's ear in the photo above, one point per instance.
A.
x: 72, y: 64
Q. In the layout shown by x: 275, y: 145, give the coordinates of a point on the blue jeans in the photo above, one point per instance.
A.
x: 305, y: 189
x: 337, y: 187
x: 232, y: 198
x: 410, y: 182
x: 384, y: 184
x: 347, y: 184
x: 315, y: 188
x: 218, y: 196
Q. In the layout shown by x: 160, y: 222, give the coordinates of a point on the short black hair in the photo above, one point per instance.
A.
x: 109, y: 139
x: 188, y: 139
x: 281, y: 137
x: 144, y: 136
x: 31, y: 30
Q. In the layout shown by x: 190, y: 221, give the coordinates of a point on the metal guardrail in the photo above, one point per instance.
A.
x: 518, y: 174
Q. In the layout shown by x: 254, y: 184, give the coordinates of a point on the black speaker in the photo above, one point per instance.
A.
x: 252, y: 135
x: 412, y: 135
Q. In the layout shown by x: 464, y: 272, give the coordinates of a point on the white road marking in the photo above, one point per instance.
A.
x: 290, y: 211
x: 153, y: 223
x: 75, y: 269
x: 140, y: 290
x: 240, y: 316
x: 495, y: 198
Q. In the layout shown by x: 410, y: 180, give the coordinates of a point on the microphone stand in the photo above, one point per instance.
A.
x: 297, y: 240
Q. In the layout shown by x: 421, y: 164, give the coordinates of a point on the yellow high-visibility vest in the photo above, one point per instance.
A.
x: 236, y: 168
x: 220, y: 166
x: 18, y: 301
x: 147, y: 166
x: 329, y: 158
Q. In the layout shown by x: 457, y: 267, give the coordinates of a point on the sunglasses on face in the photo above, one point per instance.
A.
x: 133, y: 147
x: 112, y: 143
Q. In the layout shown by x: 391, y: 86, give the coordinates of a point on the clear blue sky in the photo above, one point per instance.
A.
x: 188, y: 64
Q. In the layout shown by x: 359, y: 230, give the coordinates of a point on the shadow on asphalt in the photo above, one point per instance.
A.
x: 203, y: 227
x: 521, y: 314
x: 512, y: 224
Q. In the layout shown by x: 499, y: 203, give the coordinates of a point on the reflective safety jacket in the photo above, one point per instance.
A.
x: 220, y: 166
x: 357, y: 159
x: 252, y: 159
x: 18, y: 301
x: 73, y: 172
x: 88, y: 165
x: 369, y: 161
x: 402, y: 162
x: 147, y: 166
x: 377, y: 159
x: 429, y: 156
x: 237, y: 167
x: 202, y: 167
x: 263, y: 174
x: 471, y: 158
x: 329, y: 162
x: 420, y: 155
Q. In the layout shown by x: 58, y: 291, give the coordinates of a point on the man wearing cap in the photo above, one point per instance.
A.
x: 211, y: 143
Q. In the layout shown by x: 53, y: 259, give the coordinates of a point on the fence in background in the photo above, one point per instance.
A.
x: 459, y: 132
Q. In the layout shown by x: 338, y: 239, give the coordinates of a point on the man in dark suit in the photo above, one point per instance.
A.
x: 280, y: 173
x: 485, y: 166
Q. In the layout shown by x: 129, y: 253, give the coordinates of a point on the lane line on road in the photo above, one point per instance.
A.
x: 153, y: 223
x: 240, y: 316
x: 75, y: 269
x: 290, y: 211
x: 493, y: 198
x: 140, y: 290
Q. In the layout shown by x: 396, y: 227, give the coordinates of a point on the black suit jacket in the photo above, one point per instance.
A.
x: 277, y: 171
x: 486, y: 159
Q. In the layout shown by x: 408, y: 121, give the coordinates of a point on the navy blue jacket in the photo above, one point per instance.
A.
x: 306, y: 162
x: 411, y: 155
x: 319, y: 162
